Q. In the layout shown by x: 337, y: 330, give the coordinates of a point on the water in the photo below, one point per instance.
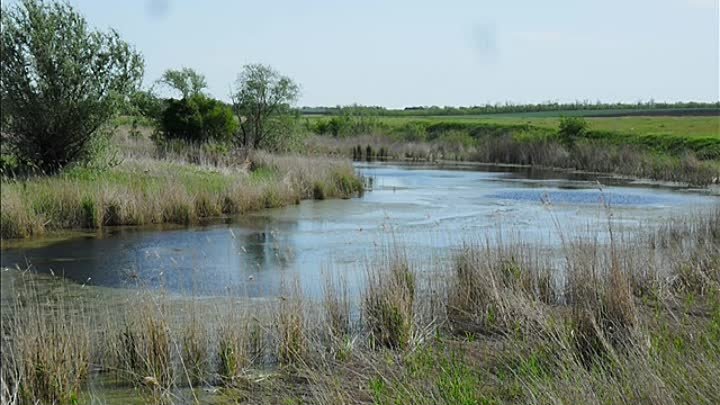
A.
x: 427, y: 210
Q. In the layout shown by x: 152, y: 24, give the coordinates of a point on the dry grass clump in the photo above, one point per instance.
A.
x: 143, y: 190
x: 292, y: 338
x: 146, y: 350
x: 599, y: 292
x: 232, y: 349
x: 46, y: 349
x: 698, y: 275
x: 336, y: 305
x: 16, y: 218
x: 389, y: 301
x: 696, y: 268
x: 196, y: 353
x: 241, y: 342
x: 494, y: 291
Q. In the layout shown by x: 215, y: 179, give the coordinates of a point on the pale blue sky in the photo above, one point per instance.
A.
x: 401, y: 53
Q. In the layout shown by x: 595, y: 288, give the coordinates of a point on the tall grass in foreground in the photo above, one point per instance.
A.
x: 46, y: 350
x: 150, y: 191
x: 389, y: 304
x: 509, y: 332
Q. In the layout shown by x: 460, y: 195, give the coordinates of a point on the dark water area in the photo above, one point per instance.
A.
x: 426, y: 210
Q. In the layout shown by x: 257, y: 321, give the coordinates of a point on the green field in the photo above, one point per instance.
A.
x: 672, y: 135
x: 707, y: 126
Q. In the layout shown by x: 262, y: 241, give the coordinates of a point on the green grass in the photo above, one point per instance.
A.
x: 668, y: 134
x: 684, y: 149
x: 150, y: 191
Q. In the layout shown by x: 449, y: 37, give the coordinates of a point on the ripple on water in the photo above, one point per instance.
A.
x: 584, y: 197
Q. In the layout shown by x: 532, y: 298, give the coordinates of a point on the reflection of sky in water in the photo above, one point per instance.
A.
x: 426, y: 212
x: 587, y: 197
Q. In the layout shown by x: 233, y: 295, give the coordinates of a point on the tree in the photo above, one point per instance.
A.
x: 262, y: 99
x: 145, y: 103
x: 60, y: 81
x: 186, y: 80
x: 198, y: 119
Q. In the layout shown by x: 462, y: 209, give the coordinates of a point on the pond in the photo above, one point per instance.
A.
x: 424, y: 210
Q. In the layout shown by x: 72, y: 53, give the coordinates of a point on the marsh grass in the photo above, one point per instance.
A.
x: 146, y: 350
x: 510, y: 146
x: 46, y: 349
x: 511, y: 335
x: 389, y: 303
x: 172, y: 188
x: 494, y: 289
x: 196, y: 351
x: 292, y: 328
x: 233, y: 353
x: 336, y: 305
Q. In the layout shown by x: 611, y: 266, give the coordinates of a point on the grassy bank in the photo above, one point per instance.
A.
x: 177, y: 185
x: 636, y: 320
x: 685, y: 149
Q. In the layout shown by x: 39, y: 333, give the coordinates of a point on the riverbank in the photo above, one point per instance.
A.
x: 145, y: 186
x: 678, y: 149
x: 633, y: 320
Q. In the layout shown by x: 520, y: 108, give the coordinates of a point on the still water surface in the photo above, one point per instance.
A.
x: 427, y: 210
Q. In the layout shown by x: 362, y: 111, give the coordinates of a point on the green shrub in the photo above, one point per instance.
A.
x: 198, y: 119
x: 572, y: 128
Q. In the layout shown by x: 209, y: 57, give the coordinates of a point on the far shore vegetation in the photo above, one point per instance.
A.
x: 683, y: 149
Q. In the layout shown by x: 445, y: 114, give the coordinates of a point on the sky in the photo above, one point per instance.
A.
x: 454, y: 52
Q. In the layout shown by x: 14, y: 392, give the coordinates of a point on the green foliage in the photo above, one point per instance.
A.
x: 186, y: 80
x: 350, y: 122
x: 454, y: 137
x: 572, y: 128
x: 60, y: 81
x: 198, y: 119
x: 145, y: 103
x: 283, y: 133
x: 261, y: 98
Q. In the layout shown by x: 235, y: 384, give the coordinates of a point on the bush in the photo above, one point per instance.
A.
x: 198, y: 119
x: 146, y: 104
x: 572, y: 128
x: 60, y: 82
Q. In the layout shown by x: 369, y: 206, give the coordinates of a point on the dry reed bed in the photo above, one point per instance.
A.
x: 143, y: 190
x: 588, y: 155
x: 623, y: 322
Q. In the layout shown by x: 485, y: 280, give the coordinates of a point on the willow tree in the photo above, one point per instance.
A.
x: 186, y: 80
x: 60, y: 82
x: 262, y: 98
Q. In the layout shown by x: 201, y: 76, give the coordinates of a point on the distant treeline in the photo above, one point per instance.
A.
x: 576, y: 108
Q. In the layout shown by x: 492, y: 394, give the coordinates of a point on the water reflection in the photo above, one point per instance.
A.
x: 425, y: 208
